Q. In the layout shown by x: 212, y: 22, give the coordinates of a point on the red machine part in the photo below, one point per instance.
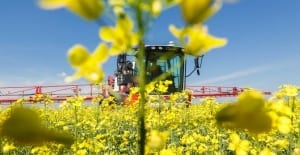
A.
x: 56, y: 92
x: 61, y: 92
x: 217, y: 91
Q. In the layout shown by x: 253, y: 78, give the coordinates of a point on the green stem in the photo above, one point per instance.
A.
x: 142, y: 77
x: 293, y: 109
x: 75, y: 127
x: 141, y: 114
x: 46, y: 114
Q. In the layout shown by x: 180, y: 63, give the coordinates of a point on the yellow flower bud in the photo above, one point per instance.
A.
x: 156, y: 8
x: 87, y: 9
x: 297, y: 151
x: 196, y: 11
x: 24, y: 126
x: 255, y: 122
x: 248, y: 113
x: 53, y: 4
x: 121, y: 36
x: 77, y: 55
x: 199, y: 41
x: 250, y: 101
x: 101, y: 53
x: 8, y: 147
x: 86, y: 64
x: 96, y: 76
x: 157, y: 140
x: 290, y: 90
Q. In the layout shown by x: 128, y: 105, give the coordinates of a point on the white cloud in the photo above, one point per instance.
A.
x: 231, y: 1
x: 62, y: 74
x: 237, y: 74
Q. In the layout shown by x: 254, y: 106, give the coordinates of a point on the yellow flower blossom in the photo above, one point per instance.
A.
x: 281, y: 108
x: 196, y: 11
x: 248, y: 113
x: 20, y: 101
x: 65, y: 128
x: 187, y: 139
x: 40, y: 150
x: 81, y: 152
x: 241, y: 147
x: 167, y: 152
x: 117, y: 3
x: 277, y: 95
x: 266, y: 151
x: 168, y: 82
x: 157, y: 140
x: 198, y: 41
x: 281, y: 144
x: 121, y: 37
x: 77, y: 55
x: 101, y: 130
x: 25, y: 127
x: 86, y: 64
x: 289, y: 90
x: 296, y: 151
x: 117, y: 6
x: 162, y: 87
x: 284, y: 124
x: 280, y: 115
x: 156, y: 7
x: 87, y: 9
x: 8, y: 147
x: 150, y: 87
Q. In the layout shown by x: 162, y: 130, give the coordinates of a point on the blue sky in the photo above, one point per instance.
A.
x: 262, y: 52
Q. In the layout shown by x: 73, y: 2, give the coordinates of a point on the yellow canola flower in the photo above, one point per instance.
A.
x: 77, y: 55
x: 117, y: 3
x: 156, y: 7
x: 296, y: 151
x: 86, y: 64
x: 24, y: 126
x: 197, y: 11
x: 248, y: 113
x: 167, y: 152
x: 284, y: 124
x: 87, y: 9
x: 150, y: 87
x: 281, y: 144
x: 251, y: 100
x: 121, y: 36
x: 281, y: 108
x: 117, y: 6
x: 241, y: 147
x: 157, y: 140
x: 162, y: 86
x: 8, y: 147
x: 81, y: 152
x: 280, y: 114
x: 40, y: 150
x: 196, y: 39
x: 266, y: 151
x: 289, y: 90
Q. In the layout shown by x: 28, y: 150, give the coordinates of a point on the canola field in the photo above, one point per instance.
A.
x: 206, y: 127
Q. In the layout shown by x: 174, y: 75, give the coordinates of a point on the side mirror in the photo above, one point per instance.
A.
x: 197, y: 64
x: 197, y: 67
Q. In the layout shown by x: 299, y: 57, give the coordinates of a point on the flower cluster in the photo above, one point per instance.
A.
x: 108, y: 128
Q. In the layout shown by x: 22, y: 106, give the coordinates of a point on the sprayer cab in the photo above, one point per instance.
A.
x: 166, y: 63
x: 162, y: 62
